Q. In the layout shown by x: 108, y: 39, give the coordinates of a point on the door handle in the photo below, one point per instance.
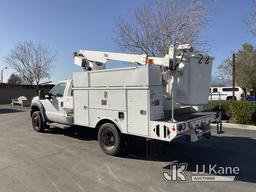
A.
x: 143, y: 112
x: 61, y: 103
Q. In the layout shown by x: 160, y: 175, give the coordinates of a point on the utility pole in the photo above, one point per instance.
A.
x: 233, y: 76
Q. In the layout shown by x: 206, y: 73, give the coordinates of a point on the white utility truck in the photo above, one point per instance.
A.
x: 151, y: 99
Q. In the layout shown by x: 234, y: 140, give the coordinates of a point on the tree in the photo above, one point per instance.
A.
x: 245, y: 67
x: 32, y: 61
x: 158, y: 24
x: 15, y: 79
x: 250, y: 20
x: 217, y: 81
x: 225, y: 70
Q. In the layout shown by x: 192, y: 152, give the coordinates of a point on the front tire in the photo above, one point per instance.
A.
x: 37, y: 122
x: 109, y: 139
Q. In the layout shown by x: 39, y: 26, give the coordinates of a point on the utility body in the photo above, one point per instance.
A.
x: 155, y: 98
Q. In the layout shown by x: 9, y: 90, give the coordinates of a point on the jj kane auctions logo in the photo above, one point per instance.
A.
x: 210, y: 173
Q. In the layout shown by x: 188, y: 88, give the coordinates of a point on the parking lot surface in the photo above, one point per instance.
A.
x: 70, y: 160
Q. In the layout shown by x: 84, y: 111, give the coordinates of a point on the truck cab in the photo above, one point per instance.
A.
x: 51, y: 104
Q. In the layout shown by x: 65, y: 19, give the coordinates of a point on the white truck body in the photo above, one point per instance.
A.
x: 136, y: 99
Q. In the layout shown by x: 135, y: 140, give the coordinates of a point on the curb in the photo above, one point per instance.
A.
x: 236, y: 126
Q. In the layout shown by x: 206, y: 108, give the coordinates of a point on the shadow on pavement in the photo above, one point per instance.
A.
x: 6, y: 110
x: 74, y: 132
x: 223, y: 151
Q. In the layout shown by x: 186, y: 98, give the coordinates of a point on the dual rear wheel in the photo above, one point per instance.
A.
x: 109, y: 139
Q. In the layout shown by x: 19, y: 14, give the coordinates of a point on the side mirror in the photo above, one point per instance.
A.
x: 42, y: 95
x: 49, y: 96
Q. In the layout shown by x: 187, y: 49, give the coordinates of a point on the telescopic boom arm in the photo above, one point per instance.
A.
x: 95, y: 59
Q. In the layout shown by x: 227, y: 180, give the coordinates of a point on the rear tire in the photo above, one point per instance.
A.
x: 109, y: 139
x: 37, y: 122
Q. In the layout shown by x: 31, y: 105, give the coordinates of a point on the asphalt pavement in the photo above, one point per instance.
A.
x: 70, y: 160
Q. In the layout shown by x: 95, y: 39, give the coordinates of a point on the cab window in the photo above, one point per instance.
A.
x: 215, y: 90
x: 230, y: 89
x: 58, y: 90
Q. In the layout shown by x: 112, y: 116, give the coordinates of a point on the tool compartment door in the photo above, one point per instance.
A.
x: 81, y: 107
x: 138, y: 112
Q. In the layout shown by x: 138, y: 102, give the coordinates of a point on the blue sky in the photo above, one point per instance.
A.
x: 69, y: 25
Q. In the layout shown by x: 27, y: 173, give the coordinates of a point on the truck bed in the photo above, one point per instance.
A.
x: 187, y: 116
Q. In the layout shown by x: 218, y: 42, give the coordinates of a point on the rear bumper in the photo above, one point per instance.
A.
x: 194, y: 126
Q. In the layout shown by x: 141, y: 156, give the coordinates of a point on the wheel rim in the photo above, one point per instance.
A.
x: 108, y: 139
x: 35, y: 122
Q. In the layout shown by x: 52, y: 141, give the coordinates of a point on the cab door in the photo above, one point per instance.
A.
x: 54, y: 104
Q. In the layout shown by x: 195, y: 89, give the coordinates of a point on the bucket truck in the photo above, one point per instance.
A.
x: 153, y: 98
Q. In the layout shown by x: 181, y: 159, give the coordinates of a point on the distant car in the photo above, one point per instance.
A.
x: 225, y: 93
x: 251, y: 96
